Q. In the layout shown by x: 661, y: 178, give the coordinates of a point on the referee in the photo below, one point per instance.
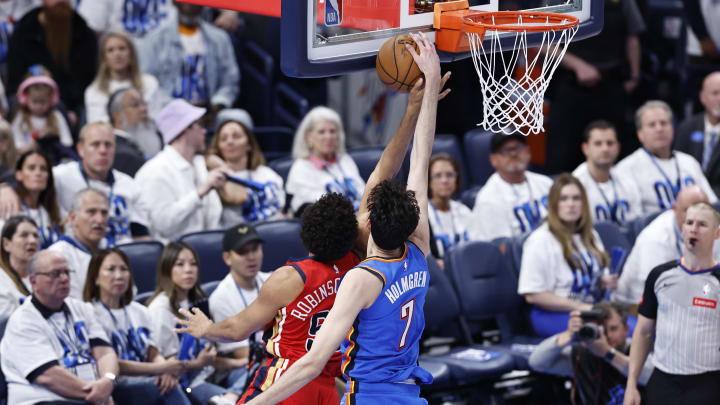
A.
x: 680, y: 310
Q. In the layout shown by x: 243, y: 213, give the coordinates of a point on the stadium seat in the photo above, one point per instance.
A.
x: 208, y: 245
x: 143, y: 258
x: 442, y: 310
x: 282, y: 166
x: 208, y: 288
x: 477, y: 155
x: 275, y: 142
x: 467, y: 197
x: 257, y: 79
x: 449, y: 144
x: 487, y: 289
x: 514, y: 251
x: 366, y: 159
x: 290, y: 106
x: 282, y: 242
x: 143, y: 297
x: 640, y: 223
x: 614, y: 241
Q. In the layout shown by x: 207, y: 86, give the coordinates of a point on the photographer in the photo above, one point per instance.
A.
x: 593, y: 350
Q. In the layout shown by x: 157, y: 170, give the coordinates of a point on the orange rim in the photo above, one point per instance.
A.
x: 481, y: 21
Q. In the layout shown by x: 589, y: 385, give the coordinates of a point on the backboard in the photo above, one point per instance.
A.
x: 330, y: 37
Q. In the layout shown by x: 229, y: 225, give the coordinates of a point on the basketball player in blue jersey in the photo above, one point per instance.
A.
x: 379, y: 305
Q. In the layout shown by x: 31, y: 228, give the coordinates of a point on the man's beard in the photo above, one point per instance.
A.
x: 144, y: 135
x: 58, y: 33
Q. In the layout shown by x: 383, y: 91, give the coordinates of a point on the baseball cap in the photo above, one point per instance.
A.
x: 498, y: 139
x: 175, y: 117
x: 238, y: 236
x: 234, y: 115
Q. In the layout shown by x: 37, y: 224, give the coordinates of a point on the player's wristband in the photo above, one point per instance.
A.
x: 610, y: 355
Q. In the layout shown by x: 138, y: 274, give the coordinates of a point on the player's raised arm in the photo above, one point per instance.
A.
x: 278, y: 291
x: 429, y: 63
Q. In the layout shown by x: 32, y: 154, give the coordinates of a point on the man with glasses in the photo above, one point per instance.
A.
x: 514, y: 200
x: 53, y: 350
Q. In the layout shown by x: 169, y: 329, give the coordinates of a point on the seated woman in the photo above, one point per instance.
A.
x: 20, y: 241
x: 448, y: 218
x: 8, y: 153
x: 145, y: 375
x: 256, y: 192
x: 178, y: 286
x: 321, y: 164
x: 35, y: 188
x: 564, y: 265
x: 119, y: 68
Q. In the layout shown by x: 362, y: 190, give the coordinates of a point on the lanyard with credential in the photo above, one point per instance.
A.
x: 69, y: 338
x: 129, y: 331
x: 455, y: 236
x: 258, y: 284
x: 676, y: 188
x: 613, y: 208
x: 47, y: 239
x: 110, y: 181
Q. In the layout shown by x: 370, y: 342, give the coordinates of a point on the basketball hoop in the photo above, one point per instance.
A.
x: 510, y: 104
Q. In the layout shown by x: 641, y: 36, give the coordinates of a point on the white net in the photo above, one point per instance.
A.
x: 513, y: 98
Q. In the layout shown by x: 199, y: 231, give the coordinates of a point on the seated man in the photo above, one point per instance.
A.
x: 611, y: 197
x: 243, y: 253
x: 192, y: 60
x: 598, y: 364
x: 132, y: 125
x: 514, y: 200
x: 88, y: 220
x: 660, y: 242
x: 53, y: 350
x: 659, y: 172
x: 699, y: 134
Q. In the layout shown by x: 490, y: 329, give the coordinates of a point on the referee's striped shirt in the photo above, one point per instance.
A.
x: 685, y: 306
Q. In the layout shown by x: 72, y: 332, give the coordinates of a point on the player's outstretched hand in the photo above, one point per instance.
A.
x: 416, y: 93
x: 427, y: 60
x: 196, y: 322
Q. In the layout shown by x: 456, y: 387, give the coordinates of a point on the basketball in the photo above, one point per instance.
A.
x: 395, y: 65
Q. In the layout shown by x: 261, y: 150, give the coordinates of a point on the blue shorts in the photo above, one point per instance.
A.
x: 358, y: 393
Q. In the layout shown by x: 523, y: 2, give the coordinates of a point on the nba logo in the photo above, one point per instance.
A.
x: 333, y: 12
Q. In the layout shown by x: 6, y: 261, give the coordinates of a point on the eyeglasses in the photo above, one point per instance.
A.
x: 55, y: 274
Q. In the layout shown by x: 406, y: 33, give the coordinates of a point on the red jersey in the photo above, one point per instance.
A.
x: 290, y: 335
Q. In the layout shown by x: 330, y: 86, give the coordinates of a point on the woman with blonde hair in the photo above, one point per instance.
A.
x: 564, y: 265
x: 321, y: 163
x: 8, y: 152
x: 119, y: 68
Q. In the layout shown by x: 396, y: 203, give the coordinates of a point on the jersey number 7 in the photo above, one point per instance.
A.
x: 406, y: 312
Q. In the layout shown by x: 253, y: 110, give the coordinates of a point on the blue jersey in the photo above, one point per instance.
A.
x: 384, y: 341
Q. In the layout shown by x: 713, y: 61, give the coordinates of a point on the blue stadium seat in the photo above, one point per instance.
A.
x: 290, y: 106
x: 477, y: 155
x: 366, y: 159
x: 275, y: 142
x: 143, y: 297
x: 282, y: 166
x: 441, y: 310
x: 282, y: 242
x: 640, y: 223
x: 208, y: 245
x: 467, y: 197
x: 613, y: 239
x: 257, y: 80
x: 449, y: 144
x: 514, y: 251
x: 487, y: 289
x: 208, y: 288
x: 143, y: 258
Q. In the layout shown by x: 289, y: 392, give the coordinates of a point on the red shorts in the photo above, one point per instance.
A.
x: 320, y: 391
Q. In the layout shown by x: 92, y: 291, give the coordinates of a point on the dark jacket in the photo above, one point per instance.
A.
x: 694, y: 145
x: 27, y: 47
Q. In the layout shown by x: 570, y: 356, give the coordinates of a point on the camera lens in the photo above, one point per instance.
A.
x: 588, y: 331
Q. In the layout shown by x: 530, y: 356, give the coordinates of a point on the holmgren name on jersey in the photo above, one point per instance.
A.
x: 412, y: 280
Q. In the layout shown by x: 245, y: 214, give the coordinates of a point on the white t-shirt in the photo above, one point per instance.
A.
x: 124, y: 194
x: 544, y: 268
x: 23, y: 135
x: 619, y: 195
x: 266, y: 198
x: 660, y: 242
x: 49, y: 234
x: 135, y: 18
x: 129, y: 329
x: 31, y: 341
x: 10, y: 296
x: 449, y: 227
x: 227, y: 300
x: 659, y: 180
x: 96, y: 100
x: 192, y: 83
x: 503, y: 209
x: 78, y: 258
x: 307, y: 183
x: 169, y: 190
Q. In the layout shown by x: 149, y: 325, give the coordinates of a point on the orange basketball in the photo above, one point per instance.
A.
x: 395, y: 65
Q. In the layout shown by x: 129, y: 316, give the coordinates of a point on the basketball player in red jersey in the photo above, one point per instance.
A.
x: 295, y: 300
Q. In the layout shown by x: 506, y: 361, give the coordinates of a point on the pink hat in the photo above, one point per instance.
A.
x: 175, y: 117
x: 22, y: 97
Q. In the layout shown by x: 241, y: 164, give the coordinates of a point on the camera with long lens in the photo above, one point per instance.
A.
x: 590, y: 330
